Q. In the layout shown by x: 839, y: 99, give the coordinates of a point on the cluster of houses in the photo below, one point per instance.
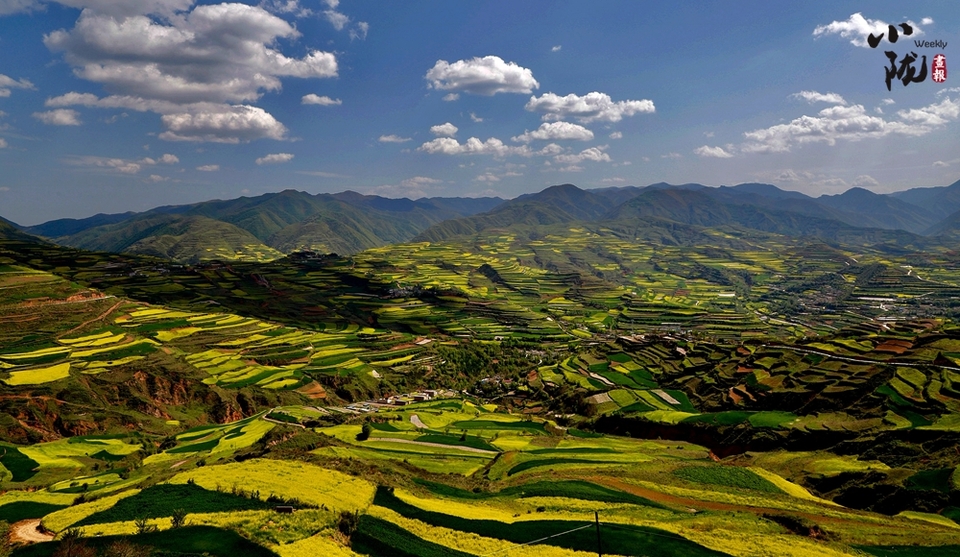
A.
x: 403, y: 400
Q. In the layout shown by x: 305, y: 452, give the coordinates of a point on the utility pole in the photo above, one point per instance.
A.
x: 596, y: 515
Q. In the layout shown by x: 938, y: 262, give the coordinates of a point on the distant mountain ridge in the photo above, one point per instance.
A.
x: 262, y: 227
x: 269, y: 225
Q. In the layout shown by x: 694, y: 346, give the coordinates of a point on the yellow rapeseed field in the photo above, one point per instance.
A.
x: 297, y: 480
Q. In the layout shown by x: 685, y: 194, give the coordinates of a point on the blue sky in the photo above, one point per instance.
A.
x: 109, y: 106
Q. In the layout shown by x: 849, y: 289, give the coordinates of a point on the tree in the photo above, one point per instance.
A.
x: 179, y: 518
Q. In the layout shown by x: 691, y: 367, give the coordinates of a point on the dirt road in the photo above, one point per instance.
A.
x: 28, y: 531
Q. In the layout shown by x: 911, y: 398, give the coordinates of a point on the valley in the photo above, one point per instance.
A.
x: 678, y: 370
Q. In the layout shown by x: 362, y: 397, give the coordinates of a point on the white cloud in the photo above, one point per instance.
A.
x: 188, y: 66
x: 549, y: 131
x: 337, y: 19
x: 488, y: 177
x: 850, y: 123
x: 59, y: 117
x: 209, y: 168
x: 594, y: 154
x: 857, y: 28
x: 571, y: 168
x: 450, y: 97
x: 322, y: 101
x: 155, y: 178
x: 322, y: 174
x: 415, y: 187
x: 616, y: 135
x: 168, y: 159
x: 3, y: 143
x: 8, y: 83
x: 360, y: 30
x: 671, y: 156
x: 612, y: 180
x: 865, y: 181
x: 286, y: 7
x: 444, y: 130
x: 715, y: 152
x: 472, y: 146
x: 392, y: 138
x: 926, y: 21
x: 592, y: 107
x: 17, y: 6
x: 481, y: 76
x: 475, y: 118
x: 556, y: 48
x: 941, y: 164
x: 888, y: 102
x: 164, y: 8
x: 275, y: 158
x: 123, y: 166
x: 492, y: 146
x: 229, y: 124
x: 813, y: 96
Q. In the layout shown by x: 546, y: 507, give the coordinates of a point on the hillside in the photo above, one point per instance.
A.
x: 941, y: 201
x: 66, y: 227
x: 556, y: 204
x: 180, y: 238
x: 880, y: 211
x: 263, y: 227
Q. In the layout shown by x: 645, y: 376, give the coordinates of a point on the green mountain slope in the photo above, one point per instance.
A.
x: 181, y: 238
x: 556, y: 204
x: 66, y: 227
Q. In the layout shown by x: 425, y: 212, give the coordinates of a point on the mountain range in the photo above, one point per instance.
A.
x: 270, y: 225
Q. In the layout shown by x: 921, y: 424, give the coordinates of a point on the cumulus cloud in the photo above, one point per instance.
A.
x: 857, y: 28
x: 209, y: 168
x: 594, y: 154
x: 168, y: 159
x: 556, y: 48
x: 322, y: 101
x: 481, y: 76
x: 849, y: 123
x: 286, y: 7
x: 472, y: 146
x: 444, y: 130
x: 492, y: 146
x: 550, y: 131
x: 393, y: 138
x: 714, y: 152
x: 155, y: 178
x: 196, y: 68
x: 275, y: 158
x: 813, y: 96
x: 616, y: 135
x: 8, y: 83
x: 475, y: 118
x: 592, y: 107
x: 232, y: 124
x: 59, y: 117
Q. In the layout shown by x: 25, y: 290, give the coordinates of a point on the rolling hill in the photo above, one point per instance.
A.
x: 262, y: 227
